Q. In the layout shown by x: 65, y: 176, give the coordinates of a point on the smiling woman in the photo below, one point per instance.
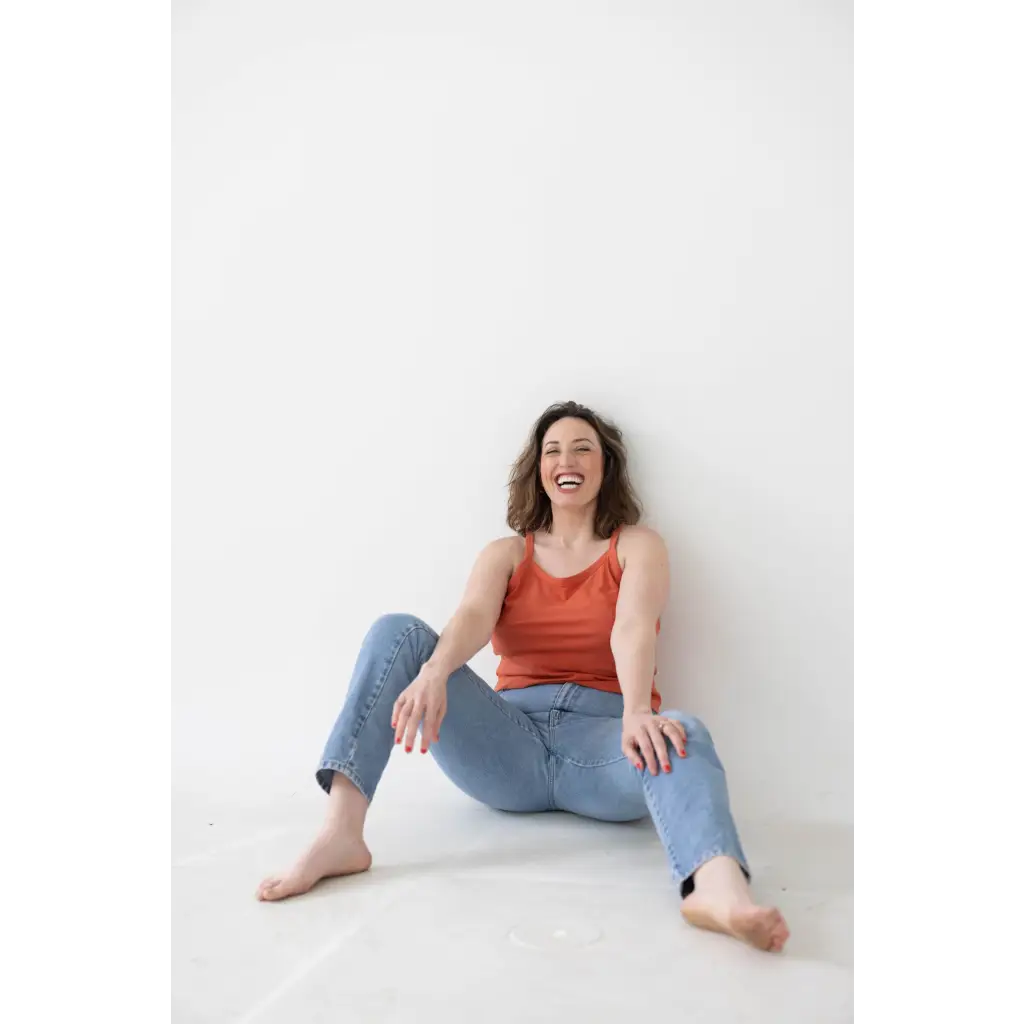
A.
x: 572, y: 604
x: 573, y: 470
x: 593, y: 453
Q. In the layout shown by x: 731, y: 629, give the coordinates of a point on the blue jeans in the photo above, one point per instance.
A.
x: 543, y: 748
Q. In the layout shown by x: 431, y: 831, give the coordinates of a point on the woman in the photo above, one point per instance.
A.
x: 572, y: 604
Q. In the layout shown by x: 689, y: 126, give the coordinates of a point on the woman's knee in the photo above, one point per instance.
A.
x: 394, y: 625
x: 694, y: 727
x: 395, y: 633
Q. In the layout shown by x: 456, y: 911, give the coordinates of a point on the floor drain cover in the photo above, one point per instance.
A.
x: 551, y: 935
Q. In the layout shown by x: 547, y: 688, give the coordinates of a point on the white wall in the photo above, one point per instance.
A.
x: 401, y: 230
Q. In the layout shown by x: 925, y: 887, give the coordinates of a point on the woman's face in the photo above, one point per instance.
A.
x: 571, y: 463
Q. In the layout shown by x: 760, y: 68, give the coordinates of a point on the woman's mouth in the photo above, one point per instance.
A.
x: 568, y: 481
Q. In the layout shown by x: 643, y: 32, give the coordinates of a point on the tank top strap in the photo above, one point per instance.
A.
x: 613, y: 554
x: 528, y: 555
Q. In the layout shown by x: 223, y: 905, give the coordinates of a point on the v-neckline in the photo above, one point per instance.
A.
x: 582, y: 574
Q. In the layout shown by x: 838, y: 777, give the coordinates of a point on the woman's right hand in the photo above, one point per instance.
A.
x: 425, y: 701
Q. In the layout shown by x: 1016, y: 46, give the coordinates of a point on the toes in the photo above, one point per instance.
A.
x: 267, y: 887
x: 774, y: 928
x: 780, y: 933
x: 274, y: 891
x: 281, y: 888
x: 762, y: 928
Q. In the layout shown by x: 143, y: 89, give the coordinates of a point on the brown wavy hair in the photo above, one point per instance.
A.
x: 529, y: 507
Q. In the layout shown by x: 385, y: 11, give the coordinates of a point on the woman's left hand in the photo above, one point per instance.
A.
x: 647, y: 733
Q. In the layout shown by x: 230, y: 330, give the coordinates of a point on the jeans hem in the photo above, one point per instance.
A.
x: 681, y: 877
x: 324, y: 779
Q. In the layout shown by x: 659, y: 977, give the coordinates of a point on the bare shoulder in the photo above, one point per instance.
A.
x: 505, y: 552
x: 641, y: 543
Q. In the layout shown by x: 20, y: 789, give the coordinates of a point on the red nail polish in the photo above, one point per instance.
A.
x: 408, y: 749
x: 423, y: 750
x: 666, y: 767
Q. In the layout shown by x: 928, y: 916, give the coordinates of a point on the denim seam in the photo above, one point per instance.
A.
x: 669, y: 848
x: 346, y: 767
x: 566, y: 697
x: 593, y: 764
x: 382, y: 682
x: 499, y: 703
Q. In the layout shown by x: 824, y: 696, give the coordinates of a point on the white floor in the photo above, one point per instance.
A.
x: 474, y: 915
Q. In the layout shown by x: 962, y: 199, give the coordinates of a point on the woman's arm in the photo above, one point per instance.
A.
x: 425, y: 699
x: 471, y: 626
x: 643, y: 593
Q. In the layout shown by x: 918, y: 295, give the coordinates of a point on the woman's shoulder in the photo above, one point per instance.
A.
x: 639, y: 541
x: 639, y: 535
x: 508, y: 550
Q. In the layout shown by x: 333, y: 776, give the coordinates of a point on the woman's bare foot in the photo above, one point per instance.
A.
x: 761, y: 927
x: 335, y: 851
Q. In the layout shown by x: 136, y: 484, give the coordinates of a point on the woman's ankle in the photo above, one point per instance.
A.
x: 346, y: 806
x: 723, y: 879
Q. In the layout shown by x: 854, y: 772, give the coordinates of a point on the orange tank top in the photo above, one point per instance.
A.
x: 558, y: 629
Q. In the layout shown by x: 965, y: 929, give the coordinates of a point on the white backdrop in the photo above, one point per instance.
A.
x: 401, y: 230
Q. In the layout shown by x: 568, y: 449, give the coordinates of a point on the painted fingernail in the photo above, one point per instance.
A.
x: 639, y: 766
x: 423, y: 750
x: 666, y: 767
x: 408, y: 749
x: 398, y: 739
